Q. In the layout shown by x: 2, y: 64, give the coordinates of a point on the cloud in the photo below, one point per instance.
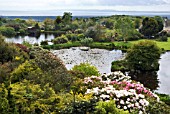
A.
x: 77, y: 4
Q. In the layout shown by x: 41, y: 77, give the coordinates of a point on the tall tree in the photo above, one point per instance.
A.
x: 149, y: 27
x: 48, y: 24
x: 160, y: 23
x: 124, y: 25
x: 67, y: 18
x: 57, y: 22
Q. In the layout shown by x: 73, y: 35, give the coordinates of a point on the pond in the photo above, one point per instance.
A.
x: 31, y: 39
x: 102, y: 59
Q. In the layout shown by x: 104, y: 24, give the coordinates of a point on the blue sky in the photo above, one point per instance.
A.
x: 68, y: 5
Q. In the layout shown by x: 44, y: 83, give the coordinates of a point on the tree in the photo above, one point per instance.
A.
x: 144, y: 56
x: 57, y: 22
x: 124, y: 26
x: 67, y: 18
x: 55, y: 72
x: 7, y: 31
x: 149, y: 27
x: 160, y: 23
x: 48, y: 24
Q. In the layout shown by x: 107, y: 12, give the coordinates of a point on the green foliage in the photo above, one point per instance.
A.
x: 29, y: 71
x: 119, y: 66
x: 48, y: 24
x: 4, y: 105
x: 91, y: 32
x: 149, y: 27
x: 163, y: 36
x: 31, y: 98
x: 72, y: 37
x: 67, y: 18
x: 62, y: 46
x: 160, y: 23
x: 7, y: 31
x: 27, y: 44
x: 143, y: 56
x: 86, y: 41
x: 165, y: 98
x: 60, y: 40
x: 79, y: 31
x: 87, y: 69
x: 124, y: 26
x: 44, y: 42
x: 56, y: 73
x: 9, y: 52
x: 157, y: 107
x: 80, y: 107
x: 137, y: 23
x: 22, y: 32
x: 108, y: 108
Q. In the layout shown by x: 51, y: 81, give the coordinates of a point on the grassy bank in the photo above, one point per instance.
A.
x: 107, y: 45
x: 162, y: 45
x: 99, y: 45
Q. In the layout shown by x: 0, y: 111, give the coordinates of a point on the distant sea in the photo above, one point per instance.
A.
x: 41, y: 15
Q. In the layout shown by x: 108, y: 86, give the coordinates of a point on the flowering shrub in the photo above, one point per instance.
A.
x: 128, y: 95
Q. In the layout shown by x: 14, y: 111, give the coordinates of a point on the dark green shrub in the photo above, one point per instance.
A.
x: 60, y: 40
x: 53, y: 68
x: 72, y: 37
x: 165, y: 98
x: 22, y: 32
x: 119, y: 66
x: 7, y: 31
x: 79, y: 31
x: 80, y: 36
x: 157, y: 107
x: 86, y: 41
x: 44, y: 42
x: 144, y: 56
x: 87, y: 69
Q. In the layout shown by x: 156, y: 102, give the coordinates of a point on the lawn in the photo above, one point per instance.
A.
x: 162, y: 45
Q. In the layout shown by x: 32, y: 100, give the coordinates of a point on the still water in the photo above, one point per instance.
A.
x: 164, y: 73
x: 30, y: 39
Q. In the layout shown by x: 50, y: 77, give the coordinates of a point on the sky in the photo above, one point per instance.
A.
x: 37, y: 6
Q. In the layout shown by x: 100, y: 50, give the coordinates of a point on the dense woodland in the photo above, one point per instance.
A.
x: 34, y: 81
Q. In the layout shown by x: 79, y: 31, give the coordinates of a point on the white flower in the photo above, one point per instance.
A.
x: 127, y: 102
x: 128, y: 99
x: 136, y: 104
x: 140, y: 112
x: 141, y: 96
x: 125, y: 107
x: 96, y: 90
x: 104, y: 96
x: 122, y: 102
x: 129, y: 105
x: 118, y: 106
x: 88, y: 91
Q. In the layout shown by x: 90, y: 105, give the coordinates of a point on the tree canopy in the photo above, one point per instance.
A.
x: 143, y: 56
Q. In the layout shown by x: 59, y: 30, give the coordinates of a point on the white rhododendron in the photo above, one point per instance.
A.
x: 128, y: 95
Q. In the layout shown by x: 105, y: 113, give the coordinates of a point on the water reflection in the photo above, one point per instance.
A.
x: 31, y: 39
x: 149, y: 78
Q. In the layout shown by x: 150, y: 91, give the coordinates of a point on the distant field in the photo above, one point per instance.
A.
x: 164, y: 45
